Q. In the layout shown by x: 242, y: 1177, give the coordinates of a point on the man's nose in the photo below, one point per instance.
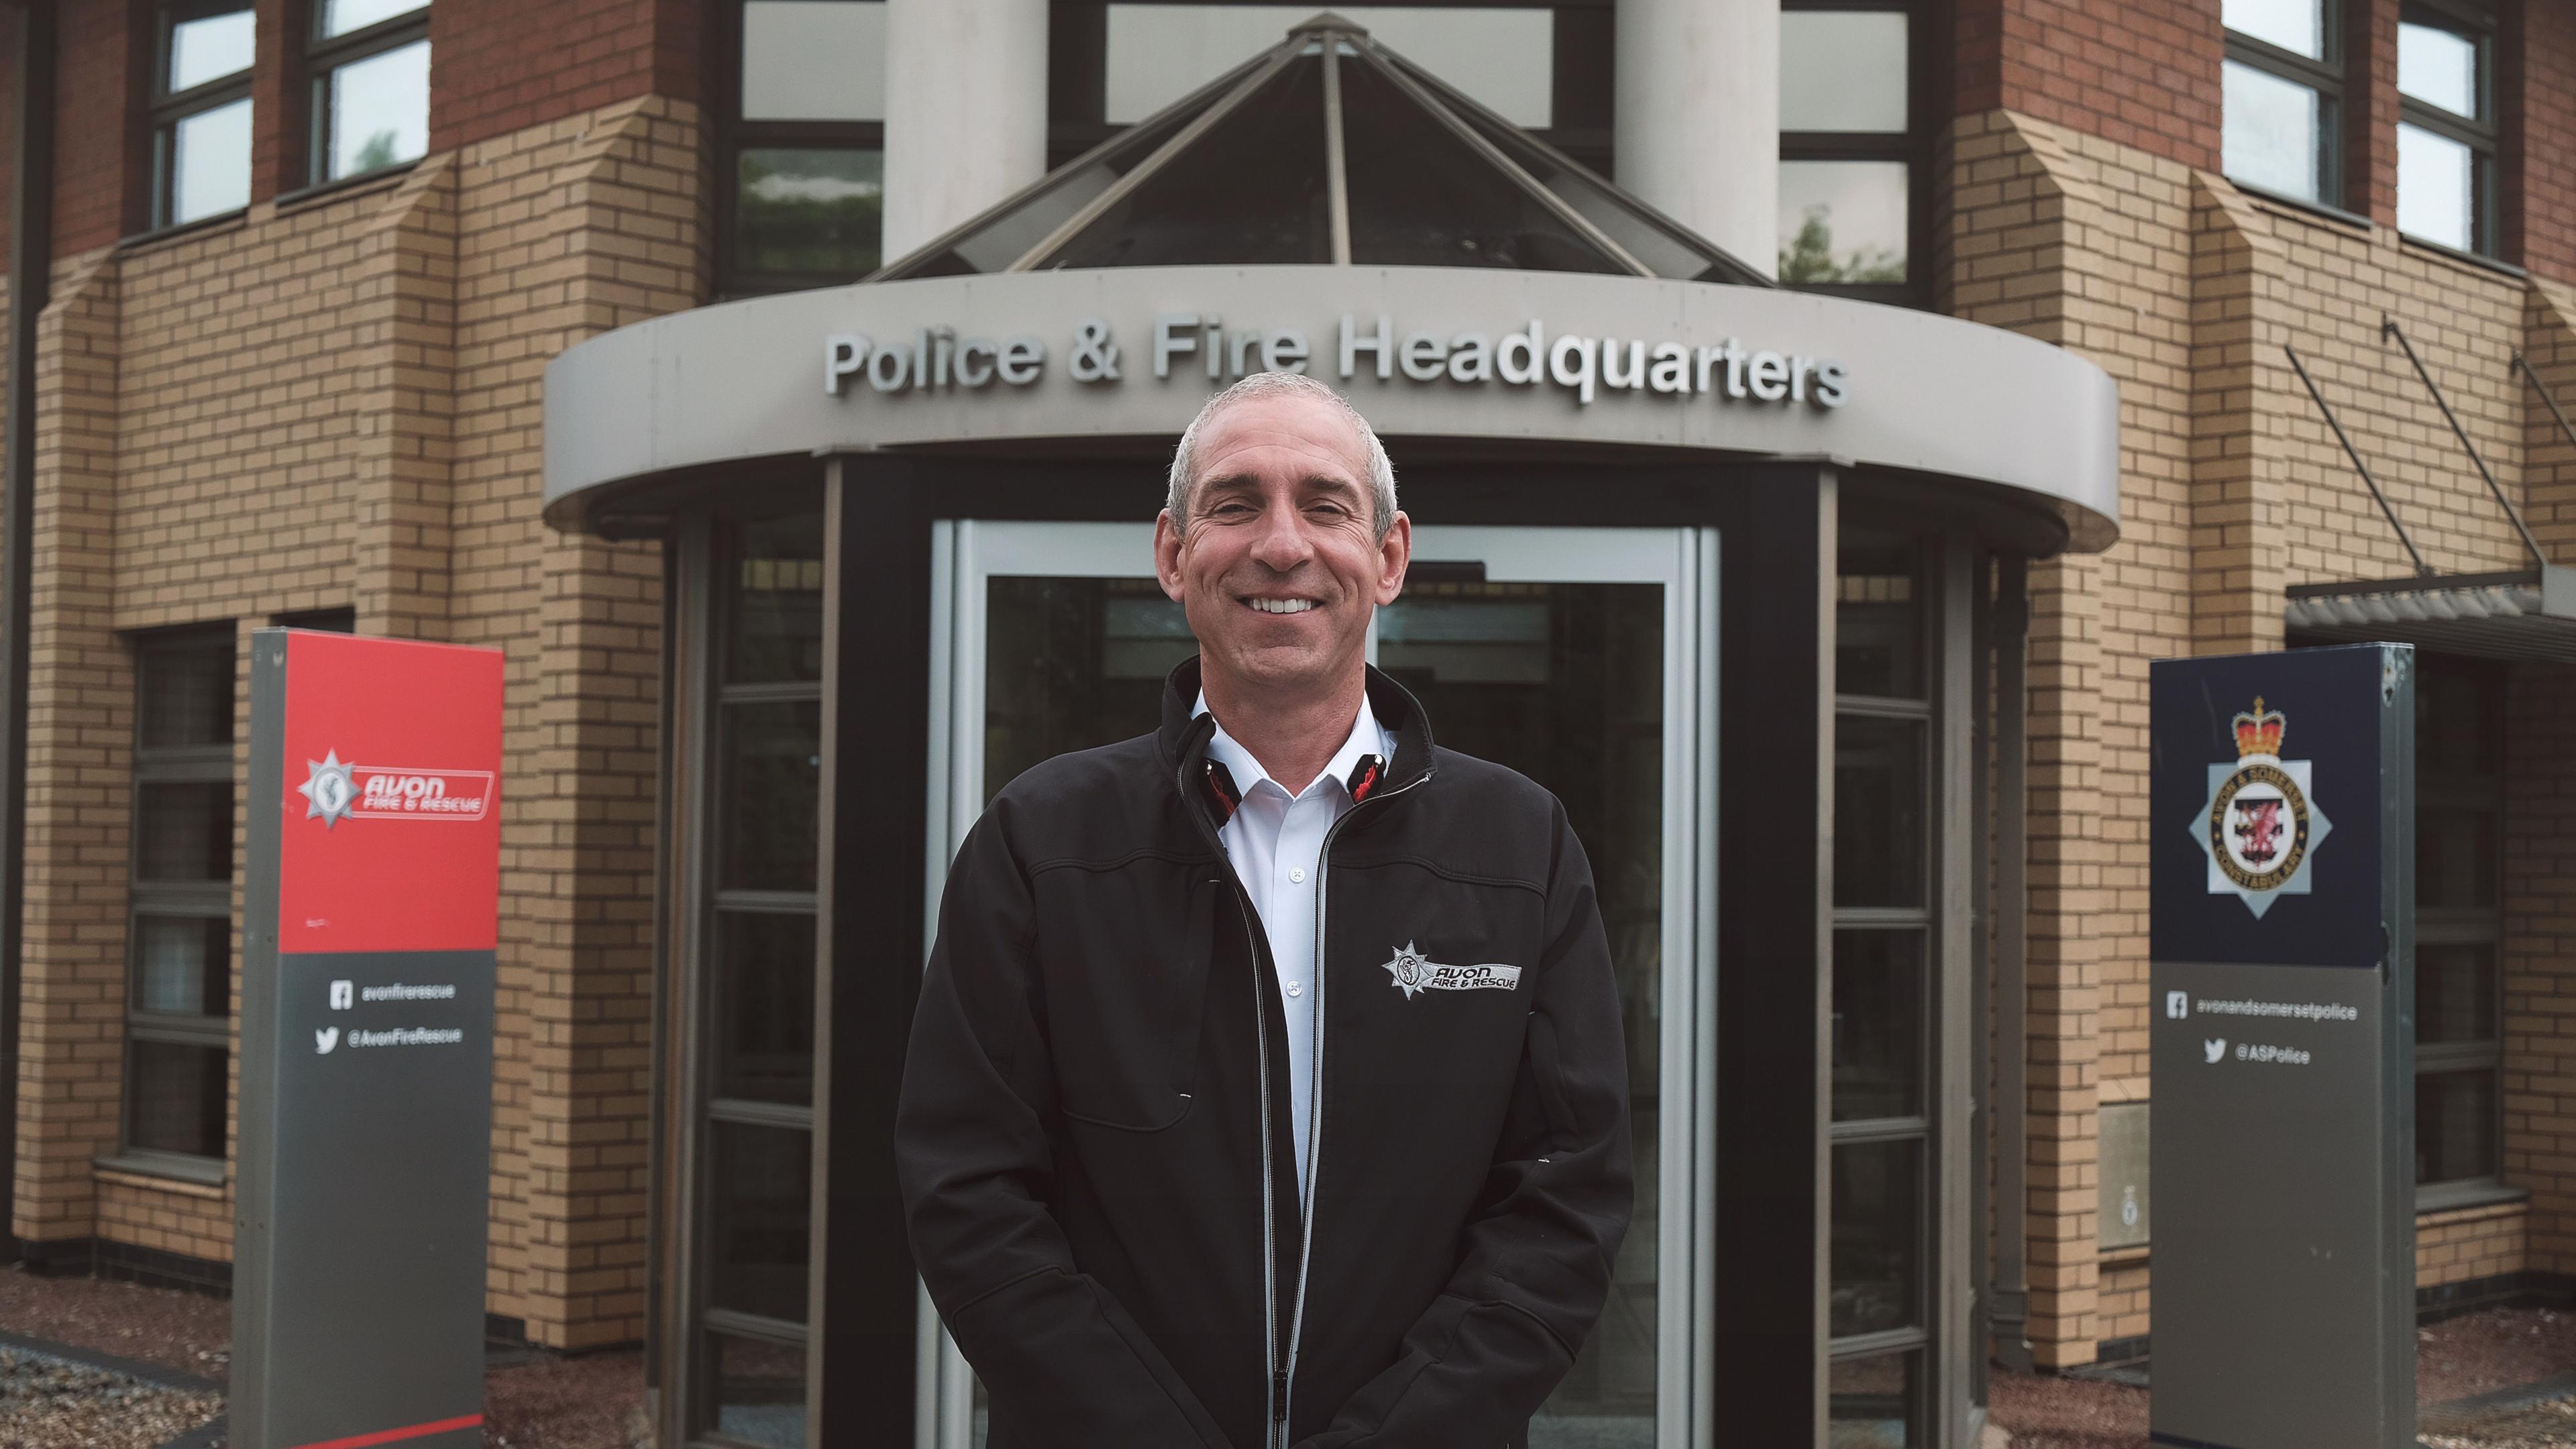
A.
x: 1283, y: 543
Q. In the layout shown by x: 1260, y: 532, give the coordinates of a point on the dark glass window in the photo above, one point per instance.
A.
x: 803, y: 163
x: 2446, y: 129
x: 370, y: 65
x: 755, y: 977
x: 1886, y: 925
x: 2459, y: 919
x: 2280, y: 96
x: 201, y: 110
x: 1856, y: 128
x: 179, y: 929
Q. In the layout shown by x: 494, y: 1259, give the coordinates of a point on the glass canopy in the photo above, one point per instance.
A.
x: 1259, y: 166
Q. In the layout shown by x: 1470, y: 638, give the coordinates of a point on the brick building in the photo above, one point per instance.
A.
x: 303, y: 267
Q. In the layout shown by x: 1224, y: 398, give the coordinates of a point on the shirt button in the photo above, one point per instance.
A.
x: 1297, y: 875
x: 1296, y: 989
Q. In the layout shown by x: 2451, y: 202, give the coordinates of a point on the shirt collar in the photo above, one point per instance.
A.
x: 1366, y: 738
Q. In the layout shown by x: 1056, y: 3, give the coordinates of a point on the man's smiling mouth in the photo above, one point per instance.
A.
x: 1281, y: 606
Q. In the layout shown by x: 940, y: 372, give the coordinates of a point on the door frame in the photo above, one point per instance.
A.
x: 1683, y: 561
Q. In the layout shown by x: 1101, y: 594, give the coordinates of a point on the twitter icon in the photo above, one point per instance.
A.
x: 2216, y: 1047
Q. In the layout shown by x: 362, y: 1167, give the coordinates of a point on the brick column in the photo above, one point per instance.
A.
x: 2241, y: 381
x: 79, y: 764
x: 406, y: 300
x: 590, y: 224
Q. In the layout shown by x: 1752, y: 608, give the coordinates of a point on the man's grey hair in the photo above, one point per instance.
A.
x: 1280, y: 384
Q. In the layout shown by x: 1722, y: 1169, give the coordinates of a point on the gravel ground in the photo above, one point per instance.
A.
x: 2454, y: 1359
x: 531, y: 1401
x: 2539, y: 1426
x: 49, y: 1404
x: 185, y: 1331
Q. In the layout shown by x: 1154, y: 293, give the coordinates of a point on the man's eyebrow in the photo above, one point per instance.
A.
x: 1323, y: 481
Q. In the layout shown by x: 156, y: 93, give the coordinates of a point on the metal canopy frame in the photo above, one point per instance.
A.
x: 2523, y: 614
x: 1331, y: 41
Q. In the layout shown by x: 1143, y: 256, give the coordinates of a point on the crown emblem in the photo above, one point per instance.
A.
x: 2259, y: 732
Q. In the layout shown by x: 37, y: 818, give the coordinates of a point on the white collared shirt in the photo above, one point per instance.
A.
x: 1277, y: 845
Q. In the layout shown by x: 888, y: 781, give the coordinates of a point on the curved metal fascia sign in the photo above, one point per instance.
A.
x: 1433, y: 352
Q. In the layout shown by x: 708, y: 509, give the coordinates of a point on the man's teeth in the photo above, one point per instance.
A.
x: 1282, y: 606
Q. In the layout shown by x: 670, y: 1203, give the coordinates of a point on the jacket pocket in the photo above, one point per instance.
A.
x: 1124, y: 1009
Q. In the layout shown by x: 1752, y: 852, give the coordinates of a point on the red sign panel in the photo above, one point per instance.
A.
x: 391, y: 832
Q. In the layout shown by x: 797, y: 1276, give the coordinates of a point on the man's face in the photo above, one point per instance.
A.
x: 1278, y: 564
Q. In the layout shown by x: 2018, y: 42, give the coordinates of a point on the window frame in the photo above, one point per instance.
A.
x: 735, y: 135
x: 326, y: 56
x: 2327, y: 77
x: 1935, y: 706
x: 2481, y: 134
x: 2468, y: 925
x: 209, y: 900
x: 167, y: 108
x: 1914, y: 146
x: 708, y: 554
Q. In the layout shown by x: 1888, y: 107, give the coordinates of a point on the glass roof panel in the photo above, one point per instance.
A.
x: 1430, y: 177
x: 1422, y: 196
x: 1664, y: 249
x: 1004, y: 236
x: 1251, y: 190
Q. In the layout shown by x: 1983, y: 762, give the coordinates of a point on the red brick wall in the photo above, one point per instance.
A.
x: 2143, y: 73
x: 279, y: 160
x: 100, y: 189
x: 498, y: 66
x: 2538, y: 76
x: 2370, y: 110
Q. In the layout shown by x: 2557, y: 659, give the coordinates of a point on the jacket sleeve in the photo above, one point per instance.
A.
x: 977, y: 1171
x: 1535, y: 1258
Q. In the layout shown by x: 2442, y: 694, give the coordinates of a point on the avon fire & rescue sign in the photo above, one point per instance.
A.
x: 2281, y: 840
x: 370, y: 923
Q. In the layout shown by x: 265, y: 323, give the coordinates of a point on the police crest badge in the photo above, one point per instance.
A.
x: 2261, y: 826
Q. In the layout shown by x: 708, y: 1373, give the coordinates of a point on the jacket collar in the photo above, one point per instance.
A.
x: 1183, y: 737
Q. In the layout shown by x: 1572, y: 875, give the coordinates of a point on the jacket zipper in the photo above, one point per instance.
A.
x: 1287, y: 1380
x: 1274, y: 1430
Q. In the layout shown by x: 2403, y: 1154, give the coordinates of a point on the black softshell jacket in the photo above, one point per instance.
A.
x: 1094, y: 1139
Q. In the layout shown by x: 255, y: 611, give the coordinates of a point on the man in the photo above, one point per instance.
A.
x: 1267, y: 1086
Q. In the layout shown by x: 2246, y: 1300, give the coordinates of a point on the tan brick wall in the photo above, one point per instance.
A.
x: 2186, y: 291
x: 79, y: 719
x: 2469, y: 1244
x: 337, y: 404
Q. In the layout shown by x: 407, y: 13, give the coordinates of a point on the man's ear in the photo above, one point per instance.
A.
x: 1167, y: 554
x: 1394, y: 553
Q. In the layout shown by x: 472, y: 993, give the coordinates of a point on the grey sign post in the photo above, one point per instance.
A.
x: 370, y: 922
x: 2282, y: 846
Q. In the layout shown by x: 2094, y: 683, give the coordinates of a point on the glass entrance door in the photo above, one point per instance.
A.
x: 1585, y: 658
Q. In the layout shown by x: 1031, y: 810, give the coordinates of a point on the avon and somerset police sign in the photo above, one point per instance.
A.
x: 2282, y: 947
x: 941, y: 359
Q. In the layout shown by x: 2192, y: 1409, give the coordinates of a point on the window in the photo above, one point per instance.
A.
x: 1854, y: 145
x: 2280, y: 94
x: 370, y: 64
x: 178, y: 1006
x: 1884, y: 988
x: 201, y: 111
x: 803, y: 200
x: 2459, y: 921
x: 2446, y: 130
